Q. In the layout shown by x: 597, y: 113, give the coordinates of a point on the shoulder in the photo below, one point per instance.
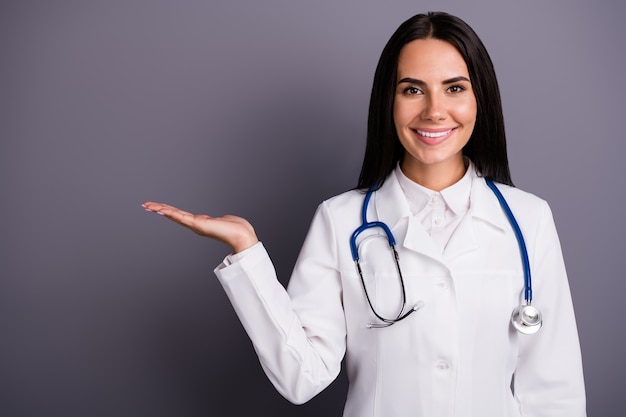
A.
x: 348, y: 202
x: 335, y: 220
x: 341, y: 213
x: 523, y: 200
x: 346, y: 197
x: 532, y: 213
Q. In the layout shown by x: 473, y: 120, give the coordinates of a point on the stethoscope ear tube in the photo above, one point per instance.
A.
x: 526, y: 319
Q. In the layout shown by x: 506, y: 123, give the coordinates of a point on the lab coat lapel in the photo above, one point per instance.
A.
x: 484, y: 207
x: 462, y: 240
x: 393, y: 209
x: 419, y: 241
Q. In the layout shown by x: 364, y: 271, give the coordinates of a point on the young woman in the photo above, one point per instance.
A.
x: 426, y: 330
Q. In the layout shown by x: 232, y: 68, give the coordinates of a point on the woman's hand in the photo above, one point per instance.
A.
x: 235, y: 231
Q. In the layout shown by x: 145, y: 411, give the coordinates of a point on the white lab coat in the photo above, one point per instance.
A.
x: 454, y: 357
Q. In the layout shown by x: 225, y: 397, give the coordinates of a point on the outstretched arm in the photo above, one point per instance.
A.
x: 300, y: 351
x: 234, y: 231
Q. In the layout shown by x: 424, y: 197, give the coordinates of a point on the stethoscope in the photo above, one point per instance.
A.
x: 525, y: 318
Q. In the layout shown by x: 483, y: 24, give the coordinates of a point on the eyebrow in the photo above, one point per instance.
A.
x: 444, y: 82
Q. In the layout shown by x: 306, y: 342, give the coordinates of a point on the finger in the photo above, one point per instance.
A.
x: 173, y: 211
x: 179, y: 216
x: 152, y: 206
x: 174, y: 214
x: 201, y: 224
x: 162, y: 208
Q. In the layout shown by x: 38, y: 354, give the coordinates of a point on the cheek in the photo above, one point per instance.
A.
x: 401, y: 114
x: 472, y: 109
x: 466, y: 113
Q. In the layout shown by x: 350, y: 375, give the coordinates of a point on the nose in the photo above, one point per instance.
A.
x: 434, y: 109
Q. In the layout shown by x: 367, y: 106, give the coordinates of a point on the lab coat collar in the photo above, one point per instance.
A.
x: 392, y: 208
x: 484, y: 204
x: 390, y: 203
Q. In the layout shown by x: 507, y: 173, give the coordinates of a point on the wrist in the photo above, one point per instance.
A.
x: 245, y: 242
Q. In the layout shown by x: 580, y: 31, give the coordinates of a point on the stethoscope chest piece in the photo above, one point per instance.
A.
x: 526, y: 319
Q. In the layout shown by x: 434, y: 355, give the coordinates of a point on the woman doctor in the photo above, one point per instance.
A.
x: 430, y: 335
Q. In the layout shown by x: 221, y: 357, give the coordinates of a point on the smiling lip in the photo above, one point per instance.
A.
x: 433, y: 136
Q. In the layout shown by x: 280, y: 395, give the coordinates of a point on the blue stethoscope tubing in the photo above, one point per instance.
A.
x: 368, y: 225
x: 526, y: 318
x: 528, y: 289
x: 365, y: 225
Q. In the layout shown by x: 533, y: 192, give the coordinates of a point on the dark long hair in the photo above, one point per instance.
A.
x: 487, y: 144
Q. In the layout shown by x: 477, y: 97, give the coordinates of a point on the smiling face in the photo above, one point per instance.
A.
x: 434, y: 108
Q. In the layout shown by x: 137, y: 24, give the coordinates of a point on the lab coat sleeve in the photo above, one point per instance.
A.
x: 299, y: 337
x: 549, y: 377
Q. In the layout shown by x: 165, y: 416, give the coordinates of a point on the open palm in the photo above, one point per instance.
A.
x: 234, y: 231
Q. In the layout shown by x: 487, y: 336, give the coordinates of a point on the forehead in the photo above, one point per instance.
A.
x: 431, y: 57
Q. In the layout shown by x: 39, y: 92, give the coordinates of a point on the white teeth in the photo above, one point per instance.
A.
x: 433, y: 134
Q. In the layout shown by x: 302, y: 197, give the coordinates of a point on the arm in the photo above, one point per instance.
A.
x: 300, y: 342
x: 549, y: 377
x: 299, y: 336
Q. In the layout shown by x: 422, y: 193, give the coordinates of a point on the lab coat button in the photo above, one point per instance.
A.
x: 443, y: 285
x: 443, y: 366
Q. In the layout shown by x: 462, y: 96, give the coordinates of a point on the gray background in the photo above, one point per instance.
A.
x: 256, y: 108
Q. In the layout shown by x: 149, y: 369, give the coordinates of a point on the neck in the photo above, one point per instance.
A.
x: 435, y: 177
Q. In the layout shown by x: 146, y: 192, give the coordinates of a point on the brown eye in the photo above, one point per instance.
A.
x: 456, y: 89
x: 411, y: 91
